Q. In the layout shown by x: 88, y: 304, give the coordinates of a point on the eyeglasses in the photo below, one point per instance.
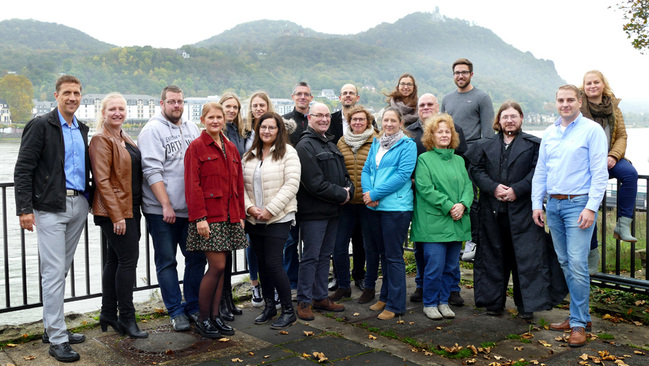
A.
x: 463, y: 73
x: 424, y: 105
x: 512, y: 117
x: 359, y: 119
x: 302, y: 94
x: 175, y: 102
x: 267, y: 128
x: 320, y: 116
x: 409, y: 85
x: 344, y: 94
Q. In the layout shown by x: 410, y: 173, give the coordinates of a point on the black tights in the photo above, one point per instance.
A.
x: 209, y: 294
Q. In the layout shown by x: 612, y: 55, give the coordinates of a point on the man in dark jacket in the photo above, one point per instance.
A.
x: 52, y: 193
x: 325, y: 186
x: 348, y: 98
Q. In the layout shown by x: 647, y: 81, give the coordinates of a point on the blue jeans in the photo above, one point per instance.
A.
x: 253, y: 266
x: 572, y: 246
x: 166, y: 238
x: 387, y: 238
x: 351, y: 216
x: 291, y: 259
x: 421, y: 268
x: 441, y: 260
x: 319, y: 237
x: 626, y: 174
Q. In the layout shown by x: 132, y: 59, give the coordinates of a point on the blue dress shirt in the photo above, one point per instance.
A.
x: 75, y: 155
x: 572, y: 162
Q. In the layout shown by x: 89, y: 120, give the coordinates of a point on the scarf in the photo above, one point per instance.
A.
x: 603, y: 114
x: 409, y: 113
x: 388, y: 141
x: 355, y: 141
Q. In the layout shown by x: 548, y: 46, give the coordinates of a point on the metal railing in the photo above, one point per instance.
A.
x: 21, y: 285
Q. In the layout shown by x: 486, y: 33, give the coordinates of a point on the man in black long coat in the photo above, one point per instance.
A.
x: 503, y: 166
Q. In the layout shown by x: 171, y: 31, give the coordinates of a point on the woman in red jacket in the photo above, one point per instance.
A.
x: 214, y: 194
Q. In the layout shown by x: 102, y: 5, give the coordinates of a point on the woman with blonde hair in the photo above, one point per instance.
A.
x: 117, y: 173
x: 441, y: 221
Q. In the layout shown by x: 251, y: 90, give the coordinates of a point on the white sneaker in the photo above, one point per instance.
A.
x: 257, y: 300
x: 432, y: 312
x: 446, y: 311
x: 469, y: 251
x: 278, y: 305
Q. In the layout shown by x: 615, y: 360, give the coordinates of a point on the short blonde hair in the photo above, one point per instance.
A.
x: 428, y: 140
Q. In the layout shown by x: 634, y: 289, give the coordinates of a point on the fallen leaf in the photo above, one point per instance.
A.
x: 639, y: 353
x: 401, y: 322
x: 357, y: 314
x: 320, y: 356
x: 237, y: 360
x: 283, y: 332
x: 456, y: 348
x: 534, y: 362
x: 414, y: 350
x: 267, y: 356
x: 584, y: 356
x: 439, y: 328
x: 518, y: 348
x: 371, y: 337
x: 29, y: 358
x: 637, y: 322
x: 308, y: 333
x: 607, y: 316
x: 583, y: 362
x: 144, y: 321
x: 428, y: 353
x: 251, y: 353
x: 527, y: 335
x: 546, y: 344
x: 159, y: 310
x: 224, y: 339
x: 11, y: 345
x: 640, y: 302
x: 470, y: 361
x: 473, y: 349
x: 411, y: 323
x: 306, y: 355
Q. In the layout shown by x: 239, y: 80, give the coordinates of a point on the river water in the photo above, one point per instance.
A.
x: 637, y: 152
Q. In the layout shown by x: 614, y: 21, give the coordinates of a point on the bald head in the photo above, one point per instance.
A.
x: 319, y: 118
x: 427, y: 106
x: 348, y: 96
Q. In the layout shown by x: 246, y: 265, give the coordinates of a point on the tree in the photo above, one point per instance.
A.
x: 636, y: 13
x: 18, y: 91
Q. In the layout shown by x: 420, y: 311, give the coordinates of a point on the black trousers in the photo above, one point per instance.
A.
x: 268, y: 243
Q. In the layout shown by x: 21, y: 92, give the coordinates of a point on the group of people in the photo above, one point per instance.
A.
x: 268, y: 182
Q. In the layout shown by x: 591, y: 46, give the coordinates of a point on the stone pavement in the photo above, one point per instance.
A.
x: 352, y: 337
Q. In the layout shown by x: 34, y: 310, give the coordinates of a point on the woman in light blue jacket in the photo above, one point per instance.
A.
x: 387, y: 191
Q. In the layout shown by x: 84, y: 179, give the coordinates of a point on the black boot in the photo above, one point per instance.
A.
x: 269, y: 311
x: 287, y: 318
x: 231, y: 306
x: 130, y: 328
x: 222, y: 326
x: 224, y: 309
x: 106, y: 320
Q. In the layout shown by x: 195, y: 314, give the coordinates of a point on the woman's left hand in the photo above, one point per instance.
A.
x: 203, y: 229
x: 610, y: 162
x: 366, y: 198
x: 264, y: 215
x: 457, y: 211
x: 119, y: 227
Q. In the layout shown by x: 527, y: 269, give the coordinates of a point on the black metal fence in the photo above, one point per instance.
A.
x: 20, y: 286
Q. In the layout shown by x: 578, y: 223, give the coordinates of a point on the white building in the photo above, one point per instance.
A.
x: 139, y: 108
x: 5, y: 115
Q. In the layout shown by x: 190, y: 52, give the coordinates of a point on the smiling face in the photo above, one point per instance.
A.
x: 302, y: 97
x: 358, y: 123
x: 442, y: 136
x: 268, y: 131
x: 68, y: 98
x: 258, y: 107
x: 213, y: 121
x: 510, y: 121
x: 319, y: 118
x: 391, y: 123
x: 406, y: 86
x: 568, y: 105
x: 231, y: 107
x: 348, y: 96
x: 593, y: 87
x: 114, y: 113
x: 427, y: 106
x: 462, y: 77
x: 173, y: 106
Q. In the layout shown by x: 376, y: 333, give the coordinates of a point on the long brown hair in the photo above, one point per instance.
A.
x: 280, y: 141
x: 411, y: 100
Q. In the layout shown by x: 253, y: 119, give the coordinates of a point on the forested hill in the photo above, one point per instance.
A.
x: 273, y: 55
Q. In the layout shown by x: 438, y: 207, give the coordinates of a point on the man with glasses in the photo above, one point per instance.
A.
x: 427, y: 107
x: 325, y: 186
x: 163, y: 142
x: 302, y: 97
x: 348, y: 98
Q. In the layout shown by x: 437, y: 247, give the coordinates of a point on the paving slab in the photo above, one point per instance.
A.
x: 333, y: 346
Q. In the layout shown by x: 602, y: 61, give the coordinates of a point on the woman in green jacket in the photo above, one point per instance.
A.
x: 441, y: 221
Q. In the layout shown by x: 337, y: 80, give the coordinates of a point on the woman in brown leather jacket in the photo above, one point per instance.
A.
x: 117, y: 173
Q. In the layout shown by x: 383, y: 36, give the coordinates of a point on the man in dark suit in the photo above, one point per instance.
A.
x: 348, y: 98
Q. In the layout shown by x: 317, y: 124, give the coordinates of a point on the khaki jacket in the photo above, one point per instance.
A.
x: 355, y: 165
x: 111, y: 171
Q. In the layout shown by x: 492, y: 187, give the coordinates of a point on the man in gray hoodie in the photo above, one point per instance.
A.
x: 163, y: 142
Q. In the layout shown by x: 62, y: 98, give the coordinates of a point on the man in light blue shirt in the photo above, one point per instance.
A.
x: 572, y: 171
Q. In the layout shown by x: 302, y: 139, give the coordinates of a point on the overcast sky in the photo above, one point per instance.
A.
x: 578, y: 35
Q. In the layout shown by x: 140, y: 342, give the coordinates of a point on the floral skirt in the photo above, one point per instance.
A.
x: 224, y: 236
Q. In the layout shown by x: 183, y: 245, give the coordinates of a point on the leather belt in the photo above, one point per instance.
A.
x: 71, y: 193
x: 566, y: 196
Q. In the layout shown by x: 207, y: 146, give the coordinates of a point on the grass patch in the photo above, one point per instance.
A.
x: 413, y: 342
x: 520, y: 363
x: 463, y: 353
x: 523, y: 340
x: 389, y: 334
x: 625, y: 247
x: 513, y: 336
x: 411, y: 265
x: 330, y: 333
x: 605, y: 336
x: 487, y: 344
x: 374, y: 329
x: 543, y: 323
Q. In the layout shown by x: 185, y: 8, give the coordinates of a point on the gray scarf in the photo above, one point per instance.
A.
x: 387, y: 141
x: 355, y: 141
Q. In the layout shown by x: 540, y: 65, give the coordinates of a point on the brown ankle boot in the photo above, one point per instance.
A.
x: 304, y: 311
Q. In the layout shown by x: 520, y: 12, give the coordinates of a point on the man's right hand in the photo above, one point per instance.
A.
x: 168, y: 214
x: 27, y: 221
x: 537, y: 215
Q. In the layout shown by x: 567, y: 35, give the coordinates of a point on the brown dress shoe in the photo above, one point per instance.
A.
x: 327, y: 305
x: 577, y: 337
x: 367, y: 296
x: 304, y: 311
x: 341, y: 293
x: 565, y: 325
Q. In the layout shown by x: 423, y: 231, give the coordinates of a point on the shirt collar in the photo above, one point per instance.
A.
x: 64, y: 122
